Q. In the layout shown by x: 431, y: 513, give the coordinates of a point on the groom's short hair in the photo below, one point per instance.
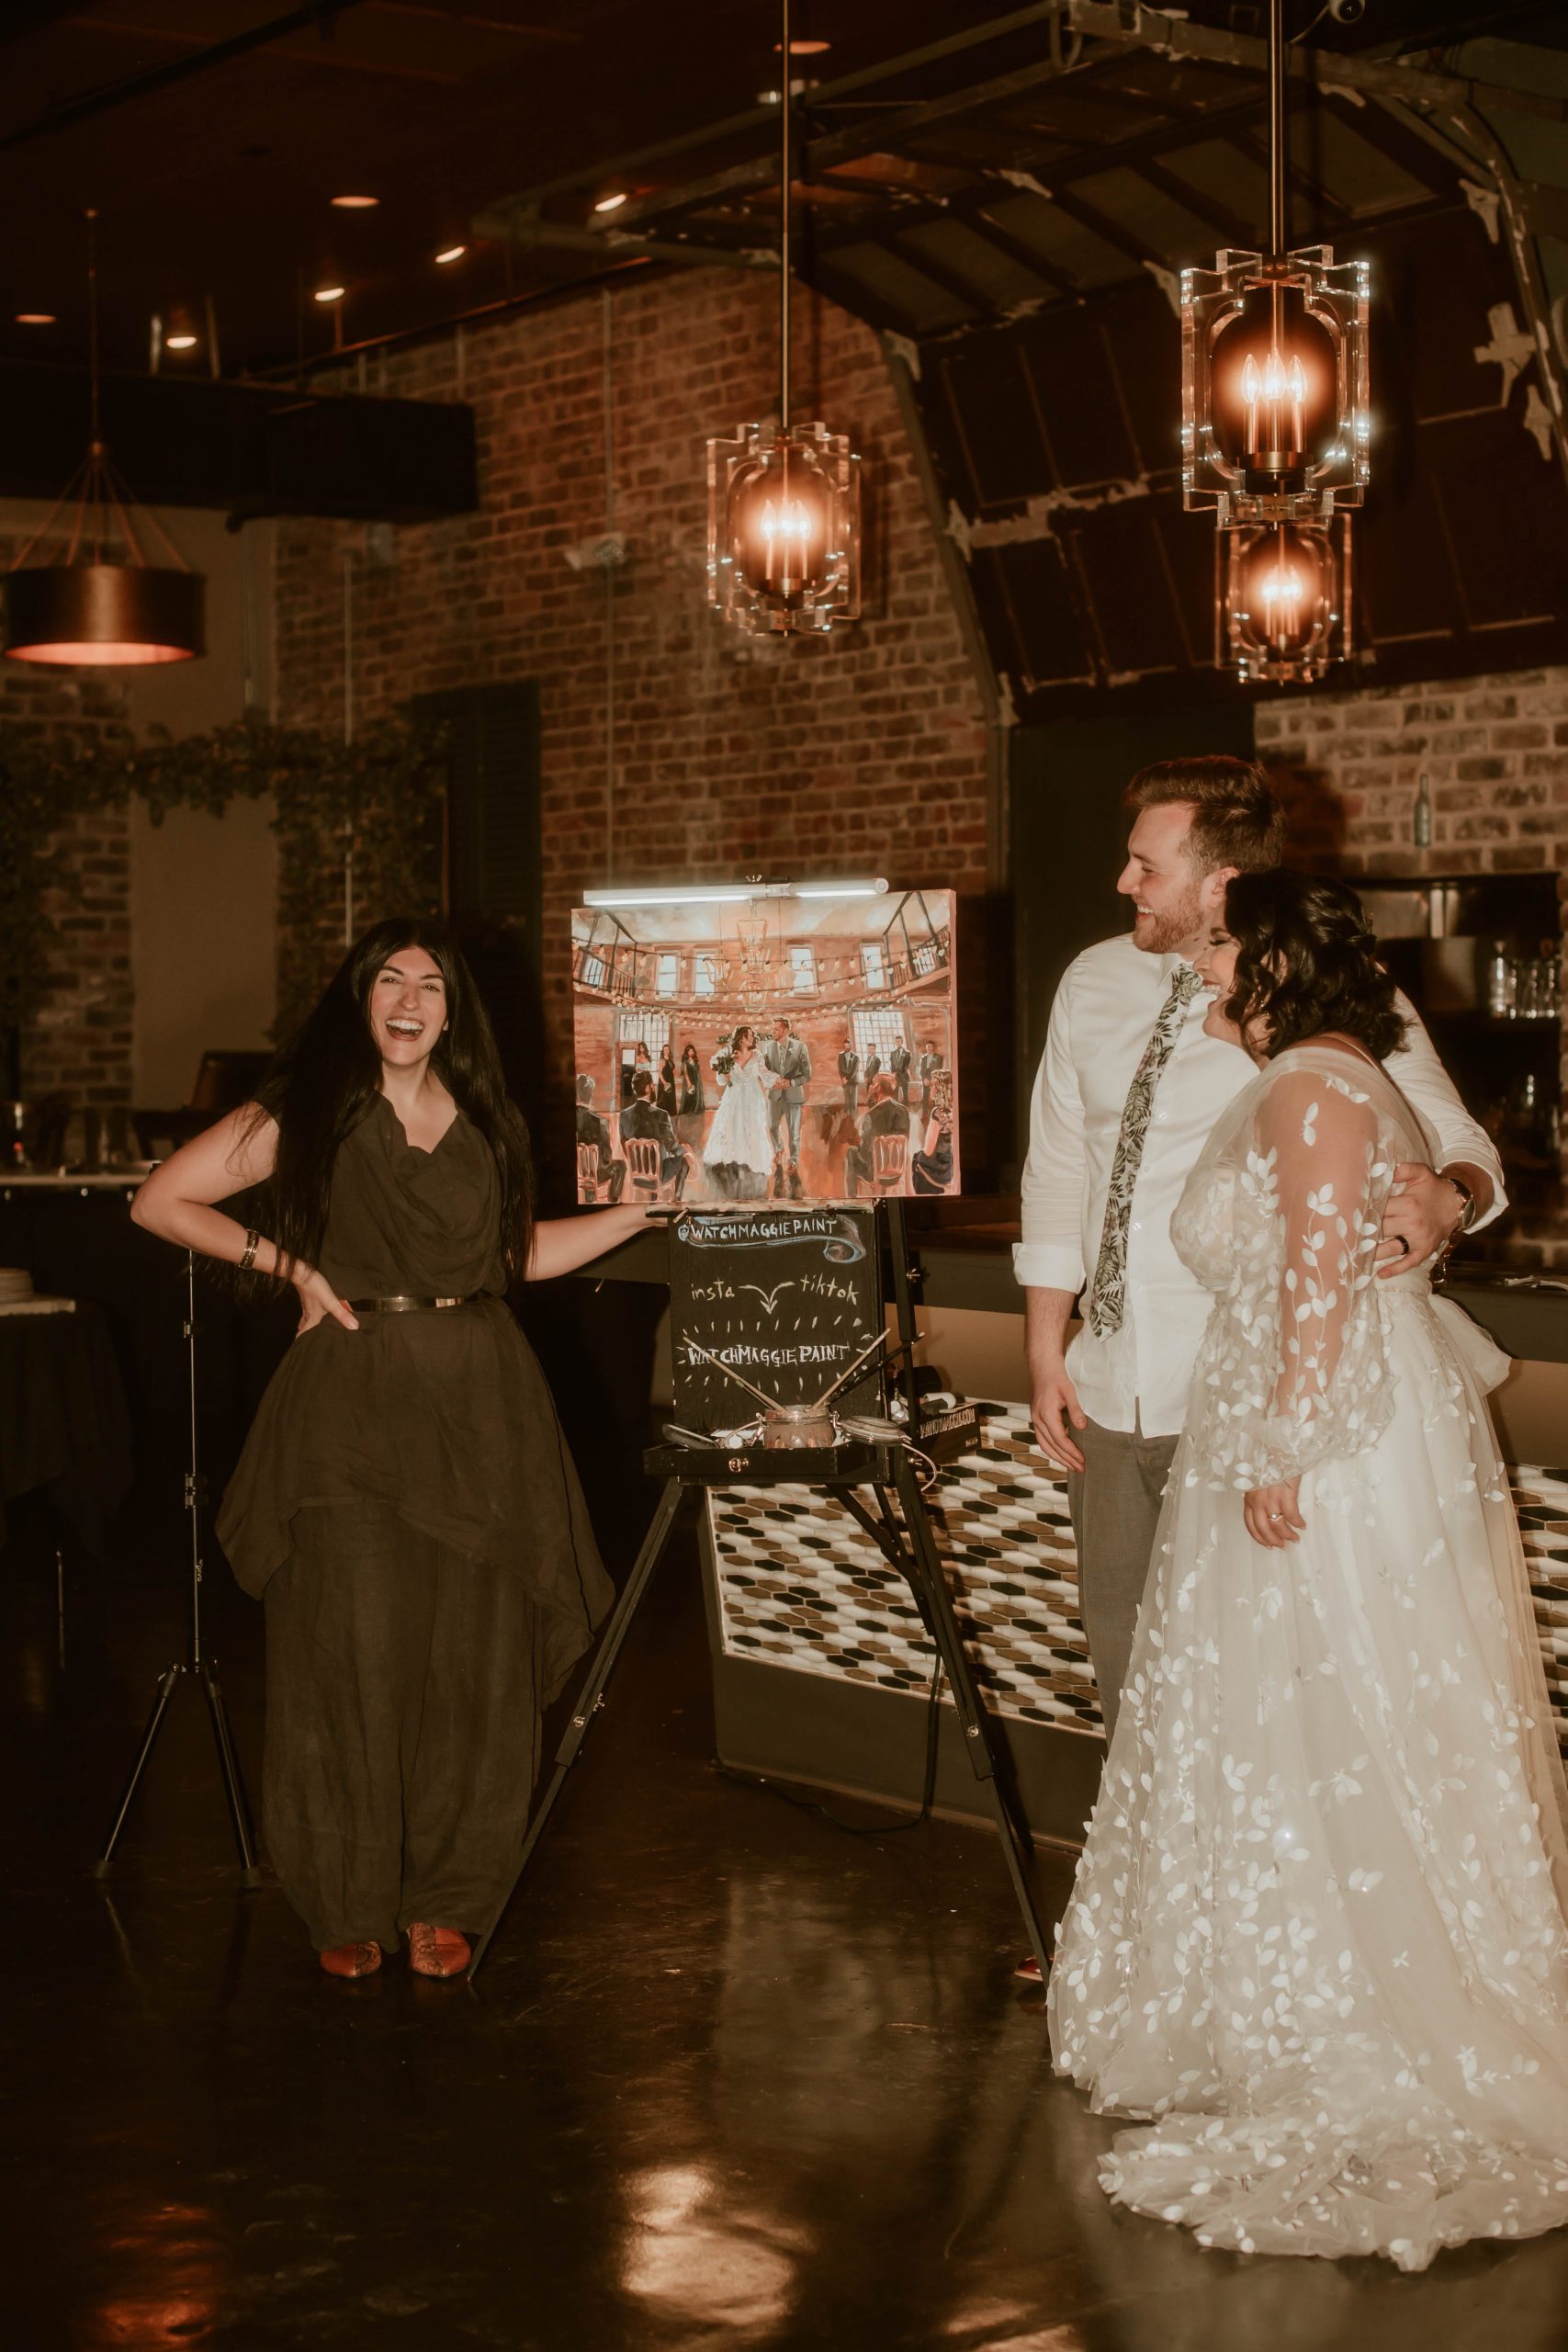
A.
x: 1237, y: 817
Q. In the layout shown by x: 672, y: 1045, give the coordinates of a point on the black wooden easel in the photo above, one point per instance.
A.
x: 903, y: 1535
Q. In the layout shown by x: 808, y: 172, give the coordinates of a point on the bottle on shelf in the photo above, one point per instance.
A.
x: 1502, y: 981
x: 1421, y: 817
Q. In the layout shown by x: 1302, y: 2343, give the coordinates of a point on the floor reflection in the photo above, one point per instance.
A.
x: 167, y: 2267
x: 730, y: 2080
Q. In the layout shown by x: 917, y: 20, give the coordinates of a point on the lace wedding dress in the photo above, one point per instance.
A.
x: 1318, y: 1928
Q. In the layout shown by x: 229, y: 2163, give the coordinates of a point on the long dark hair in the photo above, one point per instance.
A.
x: 326, y: 1078
x: 1306, y: 961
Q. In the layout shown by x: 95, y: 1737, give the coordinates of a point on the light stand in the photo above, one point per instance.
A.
x: 196, y: 1665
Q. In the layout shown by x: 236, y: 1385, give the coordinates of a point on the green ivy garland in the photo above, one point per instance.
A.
x: 373, y: 806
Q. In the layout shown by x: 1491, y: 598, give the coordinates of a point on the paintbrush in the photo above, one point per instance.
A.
x: 693, y: 1350
x: 880, y: 1340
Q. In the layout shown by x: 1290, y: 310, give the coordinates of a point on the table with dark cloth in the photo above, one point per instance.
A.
x: 64, y: 1422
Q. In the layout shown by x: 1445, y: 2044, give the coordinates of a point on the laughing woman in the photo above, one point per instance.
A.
x: 405, y: 1505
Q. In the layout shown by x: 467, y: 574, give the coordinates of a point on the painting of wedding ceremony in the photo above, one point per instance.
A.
x: 758, y: 1042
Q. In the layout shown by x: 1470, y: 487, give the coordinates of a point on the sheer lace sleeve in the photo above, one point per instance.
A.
x: 1293, y: 1368
x: 1326, y: 1391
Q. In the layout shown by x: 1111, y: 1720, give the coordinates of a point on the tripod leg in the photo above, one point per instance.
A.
x: 591, y: 1695
x: 973, y: 1719
x: 233, y: 1781
x: 168, y: 1682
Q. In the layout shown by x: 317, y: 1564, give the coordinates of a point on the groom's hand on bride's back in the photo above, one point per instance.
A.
x: 1423, y: 1210
x: 1054, y: 1410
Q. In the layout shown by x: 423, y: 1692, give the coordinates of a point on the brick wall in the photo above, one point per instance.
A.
x: 1495, y: 752
x: 80, y: 1042
x: 864, y: 753
x: 1494, y: 749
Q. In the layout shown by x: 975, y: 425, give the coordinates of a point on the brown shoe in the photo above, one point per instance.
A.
x: 437, y: 1952
x: 352, y: 1959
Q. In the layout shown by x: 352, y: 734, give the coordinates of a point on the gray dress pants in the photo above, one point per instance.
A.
x: 1115, y: 1503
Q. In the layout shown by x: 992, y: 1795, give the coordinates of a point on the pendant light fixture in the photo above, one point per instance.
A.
x: 96, y: 600
x: 1282, y: 599
x: 784, y: 500
x: 1275, y: 420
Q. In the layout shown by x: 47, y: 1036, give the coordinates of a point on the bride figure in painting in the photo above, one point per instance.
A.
x: 738, y: 1153
x: 1317, y: 1933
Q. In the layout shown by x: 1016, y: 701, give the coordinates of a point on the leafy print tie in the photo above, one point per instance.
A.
x: 1109, y: 1302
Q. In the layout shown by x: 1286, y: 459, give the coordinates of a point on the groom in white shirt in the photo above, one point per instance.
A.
x: 1126, y: 1094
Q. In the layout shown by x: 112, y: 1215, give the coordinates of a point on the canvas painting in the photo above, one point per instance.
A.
x: 785, y: 1045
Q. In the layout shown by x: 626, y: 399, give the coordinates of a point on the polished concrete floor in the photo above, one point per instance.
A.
x: 732, y: 2077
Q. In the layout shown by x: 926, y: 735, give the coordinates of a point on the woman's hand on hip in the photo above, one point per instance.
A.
x: 319, y: 1302
x: 1273, y: 1514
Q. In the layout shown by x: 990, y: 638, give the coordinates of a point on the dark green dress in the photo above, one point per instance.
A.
x: 408, y: 1508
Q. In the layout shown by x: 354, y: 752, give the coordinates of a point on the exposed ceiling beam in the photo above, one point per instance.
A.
x: 1173, y: 37
x: 318, y: 14
x: 527, y: 232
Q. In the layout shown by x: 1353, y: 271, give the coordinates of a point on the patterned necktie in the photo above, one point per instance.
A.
x: 1107, y: 1303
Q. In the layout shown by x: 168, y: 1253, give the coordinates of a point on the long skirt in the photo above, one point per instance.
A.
x: 402, y: 1727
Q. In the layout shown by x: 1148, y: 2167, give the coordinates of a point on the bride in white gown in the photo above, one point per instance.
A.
x: 1318, y: 1931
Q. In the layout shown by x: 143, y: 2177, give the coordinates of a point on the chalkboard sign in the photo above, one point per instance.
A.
x: 787, y: 1296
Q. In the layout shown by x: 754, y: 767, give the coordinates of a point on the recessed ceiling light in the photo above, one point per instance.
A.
x: 329, y: 293
x: 612, y: 202
x: 356, y: 203
x: 179, y: 342
x: 35, y: 318
x: 804, y: 47
x: 452, y: 253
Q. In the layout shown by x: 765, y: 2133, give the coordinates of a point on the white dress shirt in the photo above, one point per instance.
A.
x: 1108, y: 1002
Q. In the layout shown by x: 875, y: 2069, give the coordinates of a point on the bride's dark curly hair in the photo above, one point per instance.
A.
x: 1306, y: 961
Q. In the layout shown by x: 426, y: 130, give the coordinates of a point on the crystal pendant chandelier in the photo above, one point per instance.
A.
x: 784, y: 500
x: 1275, y: 428
x: 97, y: 602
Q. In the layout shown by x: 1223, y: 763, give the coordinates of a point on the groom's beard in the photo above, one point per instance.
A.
x: 1161, y: 934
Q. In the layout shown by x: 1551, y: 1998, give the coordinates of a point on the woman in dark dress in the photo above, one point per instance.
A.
x: 664, y: 1093
x: 405, y: 1505
x: 693, y: 1104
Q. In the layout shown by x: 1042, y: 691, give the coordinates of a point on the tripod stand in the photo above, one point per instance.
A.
x: 196, y: 1665
x: 906, y: 1538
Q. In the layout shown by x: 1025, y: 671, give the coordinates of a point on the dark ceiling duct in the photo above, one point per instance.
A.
x: 244, y: 447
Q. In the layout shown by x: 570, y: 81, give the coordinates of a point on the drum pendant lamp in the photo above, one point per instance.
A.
x: 96, y: 601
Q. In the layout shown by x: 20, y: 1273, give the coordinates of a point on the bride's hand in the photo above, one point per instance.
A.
x: 318, y: 1300
x: 1273, y: 1514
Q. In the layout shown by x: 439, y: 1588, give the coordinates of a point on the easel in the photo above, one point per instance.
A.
x: 905, y: 1537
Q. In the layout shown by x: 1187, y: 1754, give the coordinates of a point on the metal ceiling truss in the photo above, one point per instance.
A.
x: 1116, y: 149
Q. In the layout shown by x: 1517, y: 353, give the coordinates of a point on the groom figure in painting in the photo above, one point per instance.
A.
x: 789, y: 1068
x: 1127, y: 1092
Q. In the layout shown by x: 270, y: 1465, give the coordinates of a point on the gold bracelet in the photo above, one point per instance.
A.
x: 252, y: 1241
